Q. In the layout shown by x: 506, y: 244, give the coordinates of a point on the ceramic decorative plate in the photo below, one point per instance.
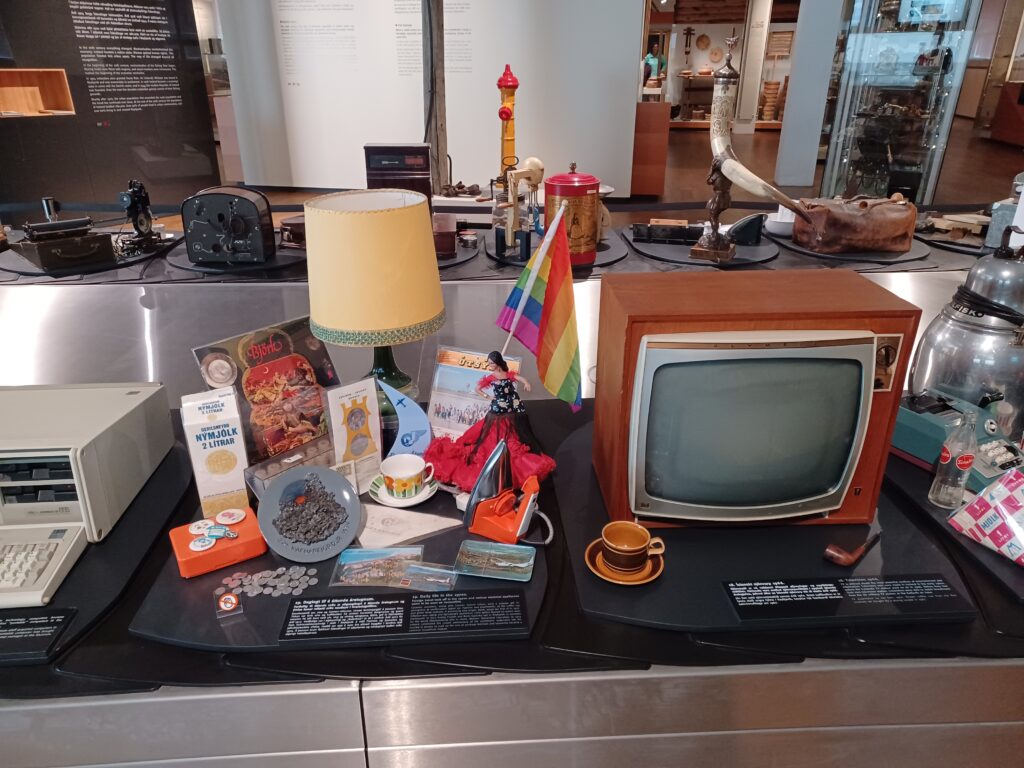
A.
x: 308, y: 514
x: 703, y: 41
x: 715, y: 55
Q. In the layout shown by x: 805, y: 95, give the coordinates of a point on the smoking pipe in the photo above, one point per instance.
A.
x: 840, y: 556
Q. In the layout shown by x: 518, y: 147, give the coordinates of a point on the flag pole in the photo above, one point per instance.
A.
x: 542, y: 251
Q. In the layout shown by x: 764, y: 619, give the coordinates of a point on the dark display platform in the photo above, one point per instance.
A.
x: 110, y: 654
x: 918, y: 251
x: 14, y: 263
x: 341, y: 664
x: 1006, y: 573
x: 105, y: 569
x: 41, y: 682
x: 720, y: 579
x: 941, y: 241
x: 283, y: 259
x: 273, y: 623
x: 462, y: 255
x: 746, y: 255
x: 564, y: 639
x: 609, y: 251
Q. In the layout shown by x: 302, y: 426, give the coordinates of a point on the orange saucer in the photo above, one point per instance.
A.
x: 595, y: 562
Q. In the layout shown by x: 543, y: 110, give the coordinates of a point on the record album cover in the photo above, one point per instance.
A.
x: 279, y: 373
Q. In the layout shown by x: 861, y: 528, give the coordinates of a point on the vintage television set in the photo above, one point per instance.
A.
x: 747, y: 396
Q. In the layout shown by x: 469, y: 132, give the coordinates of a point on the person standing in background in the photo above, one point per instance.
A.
x: 656, y: 62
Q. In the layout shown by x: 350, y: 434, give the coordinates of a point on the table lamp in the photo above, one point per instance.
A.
x: 373, y: 278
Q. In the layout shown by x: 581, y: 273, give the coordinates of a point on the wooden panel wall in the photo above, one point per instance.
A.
x: 728, y: 11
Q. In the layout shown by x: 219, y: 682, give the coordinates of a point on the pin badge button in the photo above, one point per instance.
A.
x: 200, y: 527
x: 201, y: 544
x: 230, y: 516
x: 220, y: 532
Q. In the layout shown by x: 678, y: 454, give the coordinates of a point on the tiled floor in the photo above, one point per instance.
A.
x: 974, y: 170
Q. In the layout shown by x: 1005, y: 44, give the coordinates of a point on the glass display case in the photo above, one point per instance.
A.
x: 901, y: 69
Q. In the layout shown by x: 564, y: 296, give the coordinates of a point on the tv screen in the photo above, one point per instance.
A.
x: 750, y: 432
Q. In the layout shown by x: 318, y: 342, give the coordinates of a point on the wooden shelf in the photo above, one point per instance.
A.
x: 35, y: 93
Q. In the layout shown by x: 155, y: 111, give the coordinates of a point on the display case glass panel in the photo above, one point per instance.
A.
x: 902, y: 67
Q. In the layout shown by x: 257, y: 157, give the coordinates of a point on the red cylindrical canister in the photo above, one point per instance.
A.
x: 583, y: 214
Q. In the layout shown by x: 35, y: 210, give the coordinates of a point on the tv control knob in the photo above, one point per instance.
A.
x: 237, y: 224
x: 199, y: 209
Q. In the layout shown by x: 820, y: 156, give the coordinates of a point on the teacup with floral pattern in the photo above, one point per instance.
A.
x: 405, y: 474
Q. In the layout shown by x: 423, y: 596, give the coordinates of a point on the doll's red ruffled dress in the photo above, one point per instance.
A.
x: 458, y: 462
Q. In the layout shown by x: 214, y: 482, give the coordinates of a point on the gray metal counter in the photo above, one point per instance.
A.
x: 910, y: 714
x: 816, y: 714
x: 83, y: 334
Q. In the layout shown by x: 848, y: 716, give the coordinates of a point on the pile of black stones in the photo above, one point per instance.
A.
x: 316, y: 519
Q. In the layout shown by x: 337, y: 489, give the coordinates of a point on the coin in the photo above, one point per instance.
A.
x: 279, y: 571
x: 297, y: 592
x: 236, y: 590
x: 311, y: 572
x: 286, y: 590
x: 267, y: 590
x: 219, y: 591
x: 314, y: 581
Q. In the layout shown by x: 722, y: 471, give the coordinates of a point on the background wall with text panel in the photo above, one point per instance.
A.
x: 311, y: 87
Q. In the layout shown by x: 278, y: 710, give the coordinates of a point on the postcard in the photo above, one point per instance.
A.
x: 373, y: 567
x: 491, y: 560
x: 455, y: 405
x: 426, y: 577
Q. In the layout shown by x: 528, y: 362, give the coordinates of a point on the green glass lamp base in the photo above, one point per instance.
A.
x: 386, y: 369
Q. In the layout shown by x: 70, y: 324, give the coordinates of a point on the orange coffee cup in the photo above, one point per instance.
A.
x: 626, y: 546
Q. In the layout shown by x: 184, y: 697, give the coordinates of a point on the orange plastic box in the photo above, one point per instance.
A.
x: 225, y: 552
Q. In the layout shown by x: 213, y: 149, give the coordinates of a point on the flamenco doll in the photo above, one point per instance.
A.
x: 458, y: 462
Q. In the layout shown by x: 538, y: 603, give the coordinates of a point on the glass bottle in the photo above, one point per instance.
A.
x: 955, y: 462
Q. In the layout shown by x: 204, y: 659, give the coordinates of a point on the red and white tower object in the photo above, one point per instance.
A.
x: 507, y: 86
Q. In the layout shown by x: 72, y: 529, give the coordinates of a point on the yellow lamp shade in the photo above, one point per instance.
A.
x: 373, y: 278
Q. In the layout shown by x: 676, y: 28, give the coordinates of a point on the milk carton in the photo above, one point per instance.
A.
x: 216, y: 444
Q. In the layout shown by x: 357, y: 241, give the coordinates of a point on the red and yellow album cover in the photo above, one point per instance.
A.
x: 279, y: 373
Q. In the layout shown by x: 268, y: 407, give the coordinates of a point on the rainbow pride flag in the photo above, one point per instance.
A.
x: 547, y: 325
